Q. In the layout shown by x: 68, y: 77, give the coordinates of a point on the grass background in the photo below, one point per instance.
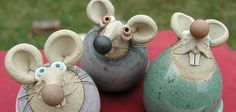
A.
x: 16, y: 16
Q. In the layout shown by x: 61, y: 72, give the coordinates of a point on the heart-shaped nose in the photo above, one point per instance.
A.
x: 52, y: 95
x: 102, y: 44
x: 199, y: 29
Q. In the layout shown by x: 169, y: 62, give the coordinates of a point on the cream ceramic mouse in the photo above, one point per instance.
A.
x: 59, y: 86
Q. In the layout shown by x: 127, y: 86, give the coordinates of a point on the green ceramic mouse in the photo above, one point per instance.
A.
x: 186, y: 77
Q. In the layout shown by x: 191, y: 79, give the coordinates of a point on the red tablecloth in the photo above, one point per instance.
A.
x: 132, y: 101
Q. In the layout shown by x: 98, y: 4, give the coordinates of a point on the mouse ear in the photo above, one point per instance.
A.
x: 143, y: 27
x: 21, y: 62
x: 97, y: 9
x: 65, y: 46
x: 180, y: 22
x: 218, y: 32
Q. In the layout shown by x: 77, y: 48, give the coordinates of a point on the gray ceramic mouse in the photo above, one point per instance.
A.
x: 115, y: 52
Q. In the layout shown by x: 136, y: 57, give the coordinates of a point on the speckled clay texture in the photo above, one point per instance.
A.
x: 165, y: 90
x: 113, y: 75
x: 91, y: 101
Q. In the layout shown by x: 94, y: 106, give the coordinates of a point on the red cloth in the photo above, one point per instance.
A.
x: 132, y: 101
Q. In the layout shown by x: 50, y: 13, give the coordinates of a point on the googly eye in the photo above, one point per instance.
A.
x: 39, y: 72
x: 127, y: 33
x: 59, y: 66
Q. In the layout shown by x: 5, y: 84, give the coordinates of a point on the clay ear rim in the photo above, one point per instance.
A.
x: 217, y: 41
x: 14, y: 72
x: 110, y: 10
x: 136, y: 21
x: 176, y: 23
x: 78, y: 50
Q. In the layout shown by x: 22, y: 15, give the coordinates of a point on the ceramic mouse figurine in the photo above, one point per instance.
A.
x: 186, y: 77
x: 115, y: 51
x: 58, y: 86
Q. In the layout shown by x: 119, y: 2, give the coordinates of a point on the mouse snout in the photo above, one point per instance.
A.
x: 102, y: 44
x: 52, y: 94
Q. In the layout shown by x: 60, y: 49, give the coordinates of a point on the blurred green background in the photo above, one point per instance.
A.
x: 16, y: 16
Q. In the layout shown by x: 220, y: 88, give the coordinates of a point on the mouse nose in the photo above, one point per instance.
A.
x: 53, y: 94
x: 199, y: 29
x: 102, y: 44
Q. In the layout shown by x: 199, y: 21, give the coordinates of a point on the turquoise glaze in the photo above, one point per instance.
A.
x: 165, y: 90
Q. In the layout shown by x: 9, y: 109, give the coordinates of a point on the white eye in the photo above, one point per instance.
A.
x: 126, y: 32
x: 39, y: 72
x: 106, y: 20
x: 59, y: 66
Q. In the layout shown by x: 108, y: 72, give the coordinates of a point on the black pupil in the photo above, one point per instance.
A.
x: 126, y: 29
x: 58, y: 65
x: 107, y: 19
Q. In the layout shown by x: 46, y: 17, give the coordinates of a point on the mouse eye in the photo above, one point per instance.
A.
x: 59, y: 66
x: 106, y: 19
x: 127, y: 33
x: 39, y: 72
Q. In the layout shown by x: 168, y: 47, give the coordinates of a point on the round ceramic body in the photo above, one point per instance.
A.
x: 165, y: 90
x: 113, y: 75
x: 91, y: 101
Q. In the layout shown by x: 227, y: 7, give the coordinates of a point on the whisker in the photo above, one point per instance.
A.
x: 77, y: 81
x: 83, y: 76
x: 25, y: 108
x: 72, y: 81
x: 72, y: 91
x: 20, y: 98
x: 137, y: 51
x: 89, y: 83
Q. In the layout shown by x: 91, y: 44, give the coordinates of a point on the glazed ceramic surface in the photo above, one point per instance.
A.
x: 91, y: 102
x: 113, y: 75
x: 185, y: 77
x: 166, y: 91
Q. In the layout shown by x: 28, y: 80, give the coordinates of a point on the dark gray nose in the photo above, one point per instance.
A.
x: 102, y: 44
